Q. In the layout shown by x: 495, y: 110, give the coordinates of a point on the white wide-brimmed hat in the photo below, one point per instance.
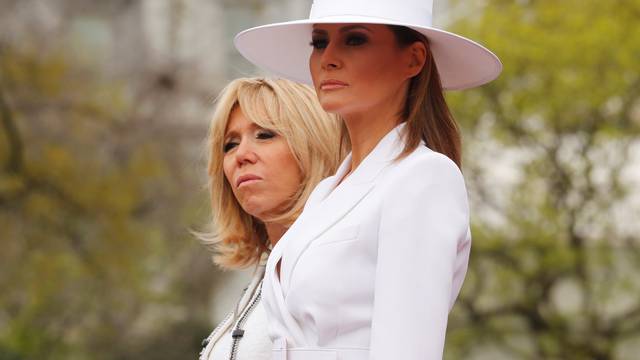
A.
x: 283, y: 48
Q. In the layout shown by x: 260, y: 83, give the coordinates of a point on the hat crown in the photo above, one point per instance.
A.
x: 415, y: 12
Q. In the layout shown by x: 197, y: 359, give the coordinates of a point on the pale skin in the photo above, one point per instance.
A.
x: 361, y: 73
x: 261, y: 170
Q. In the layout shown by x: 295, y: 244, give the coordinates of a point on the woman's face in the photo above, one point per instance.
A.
x: 259, y: 166
x: 358, y: 67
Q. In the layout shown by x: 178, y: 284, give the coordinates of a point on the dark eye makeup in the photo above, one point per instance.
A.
x: 356, y: 39
x: 319, y: 43
x: 265, y: 134
x: 261, y: 134
x: 228, y: 146
x: 353, y: 38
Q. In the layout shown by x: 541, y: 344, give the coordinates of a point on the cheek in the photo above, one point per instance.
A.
x: 228, y: 169
x: 386, y: 84
x: 314, y: 68
x: 286, y: 173
x: 385, y: 68
x: 294, y: 176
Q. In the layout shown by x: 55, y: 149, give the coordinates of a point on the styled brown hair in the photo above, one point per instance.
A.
x: 426, y: 111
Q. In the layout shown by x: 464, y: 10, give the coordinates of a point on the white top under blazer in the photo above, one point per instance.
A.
x: 372, y: 267
x: 242, y: 335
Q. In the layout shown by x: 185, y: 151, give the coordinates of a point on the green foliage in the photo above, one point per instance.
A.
x: 552, y: 266
x: 93, y: 219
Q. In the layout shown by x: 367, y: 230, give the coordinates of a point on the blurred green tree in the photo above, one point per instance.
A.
x: 96, y: 261
x: 551, y: 162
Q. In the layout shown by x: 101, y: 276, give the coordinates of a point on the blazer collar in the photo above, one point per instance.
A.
x: 334, y: 201
x: 385, y: 152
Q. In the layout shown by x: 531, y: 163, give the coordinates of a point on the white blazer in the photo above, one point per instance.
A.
x: 372, y: 267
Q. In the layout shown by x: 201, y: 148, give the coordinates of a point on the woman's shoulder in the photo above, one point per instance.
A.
x: 424, y: 163
x: 421, y: 183
x: 423, y: 174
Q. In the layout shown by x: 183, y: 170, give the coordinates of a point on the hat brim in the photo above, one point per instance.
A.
x: 283, y: 48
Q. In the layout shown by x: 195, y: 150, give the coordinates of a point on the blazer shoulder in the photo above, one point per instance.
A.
x: 424, y: 162
x: 422, y: 172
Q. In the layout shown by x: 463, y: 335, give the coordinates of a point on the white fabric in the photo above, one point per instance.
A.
x: 376, y: 262
x: 282, y: 352
x: 417, y: 12
x: 283, y: 48
x: 255, y: 344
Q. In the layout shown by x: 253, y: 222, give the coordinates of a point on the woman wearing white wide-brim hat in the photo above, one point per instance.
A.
x: 376, y: 260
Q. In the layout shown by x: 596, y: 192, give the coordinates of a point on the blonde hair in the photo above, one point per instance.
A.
x: 293, y: 111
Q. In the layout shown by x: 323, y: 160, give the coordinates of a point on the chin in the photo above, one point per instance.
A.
x: 253, y: 208
x: 332, y: 106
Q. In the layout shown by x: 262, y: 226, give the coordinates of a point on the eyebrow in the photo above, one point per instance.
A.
x: 228, y: 135
x: 232, y: 132
x: 353, y: 27
x: 342, y: 29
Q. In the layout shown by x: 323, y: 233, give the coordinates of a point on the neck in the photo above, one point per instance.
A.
x: 274, y: 232
x: 367, y: 129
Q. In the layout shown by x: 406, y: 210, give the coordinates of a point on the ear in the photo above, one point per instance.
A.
x: 417, y: 58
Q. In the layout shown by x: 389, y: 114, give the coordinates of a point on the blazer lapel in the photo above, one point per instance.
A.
x: 335, y: 202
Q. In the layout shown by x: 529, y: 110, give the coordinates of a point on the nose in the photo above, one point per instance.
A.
x: 330, y: 58
x: 245, y: 153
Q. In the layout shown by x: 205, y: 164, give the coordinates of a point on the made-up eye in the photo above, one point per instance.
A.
x: 265, y: 134
x: 356, y: 39
x: 319, y: 43
x: 228, y: 146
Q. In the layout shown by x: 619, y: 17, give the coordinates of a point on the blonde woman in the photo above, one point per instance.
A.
x: 372, y: 267
x: 270, y: 144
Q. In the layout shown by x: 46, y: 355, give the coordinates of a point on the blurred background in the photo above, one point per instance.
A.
x: 104, y: 109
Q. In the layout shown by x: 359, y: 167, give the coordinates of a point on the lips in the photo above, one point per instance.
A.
x: 247, y: 177
x: 332, y: 84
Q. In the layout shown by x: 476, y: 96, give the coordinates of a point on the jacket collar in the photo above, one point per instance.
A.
x: 385, y: 152
x: 333, y: 201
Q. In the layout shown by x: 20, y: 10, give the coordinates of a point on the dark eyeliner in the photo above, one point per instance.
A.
x: 319, y: 43
x: 228, y: 146
x: 356, y: 39
x: 265, y: 134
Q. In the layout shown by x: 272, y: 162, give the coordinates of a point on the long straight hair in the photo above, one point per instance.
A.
x: 426, y: 111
